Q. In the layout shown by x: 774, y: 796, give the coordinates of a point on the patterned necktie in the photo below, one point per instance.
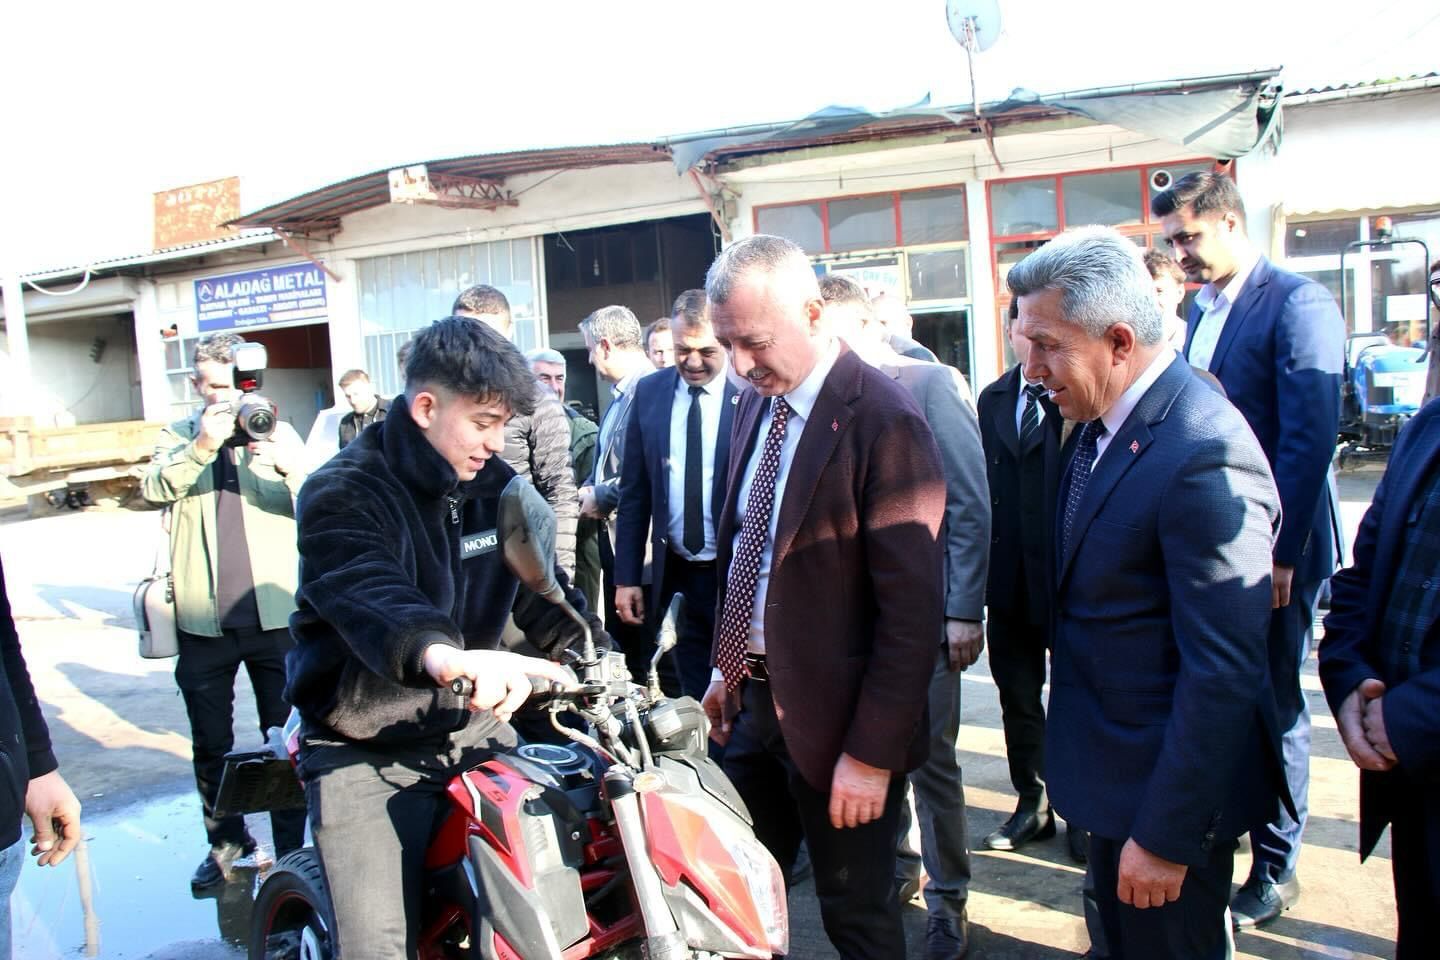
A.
x: 1030, y: 416
x: 745, y: 565
x: 694, y: 534
x: 1080, y: 468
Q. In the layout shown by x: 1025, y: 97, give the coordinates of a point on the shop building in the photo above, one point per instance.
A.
x: 935, y: 205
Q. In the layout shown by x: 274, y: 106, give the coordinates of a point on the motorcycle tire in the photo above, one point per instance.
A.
x: 293, y: 919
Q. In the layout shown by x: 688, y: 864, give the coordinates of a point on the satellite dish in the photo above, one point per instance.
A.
x: 975, y: 24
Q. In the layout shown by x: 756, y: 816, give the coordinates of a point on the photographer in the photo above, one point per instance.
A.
x: 232, y: 553
x: 402, y: 590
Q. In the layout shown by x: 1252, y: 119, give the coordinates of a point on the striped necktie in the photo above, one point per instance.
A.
x: 1030, y: 416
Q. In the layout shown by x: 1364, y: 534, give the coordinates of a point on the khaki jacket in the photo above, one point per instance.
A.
x: 179, y: 475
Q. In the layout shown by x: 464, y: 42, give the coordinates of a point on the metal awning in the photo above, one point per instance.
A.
x: 1221, y: 116
x: 200, y: 248
x: 319, y: 211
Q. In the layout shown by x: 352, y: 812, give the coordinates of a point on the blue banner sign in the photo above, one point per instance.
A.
x: 260, y: 298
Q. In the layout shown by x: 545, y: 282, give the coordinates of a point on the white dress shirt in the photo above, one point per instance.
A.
x: 1215, y: 306
x: 802, y: 402
x: 712, y: 406
x: 1115, y: 417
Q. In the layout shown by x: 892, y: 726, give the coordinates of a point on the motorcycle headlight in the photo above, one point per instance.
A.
x: 767, y: 886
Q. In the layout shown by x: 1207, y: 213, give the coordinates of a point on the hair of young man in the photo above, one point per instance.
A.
x: 1101, y: 280
x: 480, y: 300
x: 544, y: 355
x: 690, y: 309
x: 616, y: 324
x: 776, y: 256
x: 350, y: 376
x: 465, y: 358
x: 1206, y: 194
x: 216, y: 348
x: 1159, y: 262
x: 661, y: 325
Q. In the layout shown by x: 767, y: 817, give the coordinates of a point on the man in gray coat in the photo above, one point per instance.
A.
x: 536, y: 446
x: 939, y: 791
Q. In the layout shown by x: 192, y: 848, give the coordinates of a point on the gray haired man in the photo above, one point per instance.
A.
x: 1161, y: 740
x: 550, y: 369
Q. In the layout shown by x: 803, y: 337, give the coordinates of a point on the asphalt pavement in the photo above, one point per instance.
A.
x: 123, y: 741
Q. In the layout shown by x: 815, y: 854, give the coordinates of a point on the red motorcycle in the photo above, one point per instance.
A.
x: 626, y: 844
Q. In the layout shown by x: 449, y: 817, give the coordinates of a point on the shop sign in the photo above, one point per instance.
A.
x: 261, y: 298
x: 873, y: 275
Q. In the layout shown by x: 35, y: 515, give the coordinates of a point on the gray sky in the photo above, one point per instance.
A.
x: 110, y: 104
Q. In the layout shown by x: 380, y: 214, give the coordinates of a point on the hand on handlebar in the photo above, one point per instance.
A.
x: 499, y: 681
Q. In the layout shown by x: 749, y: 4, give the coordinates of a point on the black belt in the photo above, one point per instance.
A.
x: 755, y: 663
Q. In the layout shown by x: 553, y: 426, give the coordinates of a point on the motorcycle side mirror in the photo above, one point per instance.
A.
x: 525, y: 527
x: 665, y: 641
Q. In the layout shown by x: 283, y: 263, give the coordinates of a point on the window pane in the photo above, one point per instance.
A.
x: 1006, y: 256
x: 1104, y: 198
x: 799, y: 222
x: 939, y: 275
x: 1319, y: 237
x: 933, y: 216
x: 862, y: 223
x: 1023, y: 206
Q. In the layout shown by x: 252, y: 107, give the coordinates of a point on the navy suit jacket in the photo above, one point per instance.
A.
x: 1162, y: 720
x: 1281, y: 357
x: 645, y: 479
x: 1351, y: 650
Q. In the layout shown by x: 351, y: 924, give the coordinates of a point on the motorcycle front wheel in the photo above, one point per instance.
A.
x: 293, y: 919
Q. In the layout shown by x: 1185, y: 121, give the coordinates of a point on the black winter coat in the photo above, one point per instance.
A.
x: 24, y: 739
x: 397, y: 554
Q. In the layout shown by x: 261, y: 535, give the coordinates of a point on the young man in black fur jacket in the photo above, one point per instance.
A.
x: 402, y: 590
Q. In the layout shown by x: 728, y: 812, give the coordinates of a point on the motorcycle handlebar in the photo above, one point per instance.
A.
x: 541, y: 690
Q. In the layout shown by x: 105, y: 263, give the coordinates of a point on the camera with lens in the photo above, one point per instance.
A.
x: 255, y: 415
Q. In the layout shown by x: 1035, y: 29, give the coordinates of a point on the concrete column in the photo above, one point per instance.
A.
x: 984, y: 338
x: 347, y: 339
x: 150, y: 355
x: 16, y: 393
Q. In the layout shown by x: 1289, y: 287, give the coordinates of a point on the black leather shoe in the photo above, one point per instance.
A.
x: 1257, y: 902
x: 215, y: 868
x: 947, y: 938
x: 906, y: 889
x: 1079, y: 843
x: 1022, y: 827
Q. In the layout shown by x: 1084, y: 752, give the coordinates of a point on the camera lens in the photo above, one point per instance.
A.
x: 257, y: 418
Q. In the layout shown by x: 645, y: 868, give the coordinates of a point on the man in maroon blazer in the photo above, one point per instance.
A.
x: 831, y: 592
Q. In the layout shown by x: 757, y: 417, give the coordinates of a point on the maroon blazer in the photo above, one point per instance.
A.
x: 855, y: 606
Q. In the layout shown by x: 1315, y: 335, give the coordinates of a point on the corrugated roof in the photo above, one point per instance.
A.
x: 323, y: 208
x: 241, y: 239
x: 1377, y: 86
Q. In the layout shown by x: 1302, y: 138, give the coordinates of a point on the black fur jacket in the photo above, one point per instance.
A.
x: 397, y: 554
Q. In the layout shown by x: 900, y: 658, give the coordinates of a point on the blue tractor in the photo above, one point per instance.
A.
x: 1384, y: 381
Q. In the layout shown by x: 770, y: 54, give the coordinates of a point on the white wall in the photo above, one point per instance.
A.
x: 69, y: 386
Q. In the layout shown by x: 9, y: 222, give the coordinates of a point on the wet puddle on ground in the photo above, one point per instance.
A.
x: 137, y: 903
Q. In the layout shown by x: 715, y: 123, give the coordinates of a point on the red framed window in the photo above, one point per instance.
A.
x: 1027, y: 211
x: 871, y: 221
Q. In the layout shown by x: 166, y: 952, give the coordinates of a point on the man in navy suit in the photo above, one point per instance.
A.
x: 1161, y: 739
x: 1276, y: 342
x: 1380, y: 665
x: 671, y: 486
